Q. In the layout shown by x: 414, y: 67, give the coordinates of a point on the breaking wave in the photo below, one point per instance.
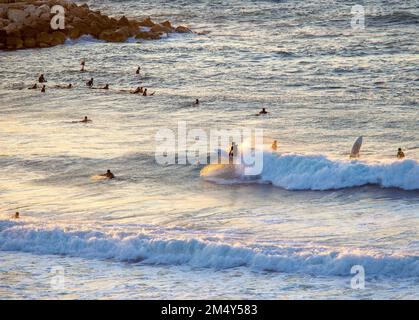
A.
x: 145, y: 249
x: 317, y: 172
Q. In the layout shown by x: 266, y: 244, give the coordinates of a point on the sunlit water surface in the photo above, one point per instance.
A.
x: 165, y: 232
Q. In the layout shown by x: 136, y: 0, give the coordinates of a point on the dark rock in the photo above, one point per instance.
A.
x: 182, y: 29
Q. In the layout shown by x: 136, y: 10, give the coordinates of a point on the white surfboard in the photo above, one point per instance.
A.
x: 356, y: 148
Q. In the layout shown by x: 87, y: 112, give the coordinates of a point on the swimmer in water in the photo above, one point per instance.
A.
x: 400, y: 154
x: 106, y: 87
x: 263, y: 111
x: 108, y: 174
x: 42, y: 79
x: 82, y: 63
x: 90, y: 83
x: 138, y: 70
x: 35, y: 86
x: 197, y: 102
x: 274, y: 145
x: 17, y: 215
x: 43, y: 89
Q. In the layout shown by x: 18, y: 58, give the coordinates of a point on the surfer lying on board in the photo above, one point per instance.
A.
x: 85, y: 120
x: 35, y: 86
x: 108, y: 174
x: 400, y: 154
x: 138, y: 90
x: 106, y: 87
x: 69, y: 86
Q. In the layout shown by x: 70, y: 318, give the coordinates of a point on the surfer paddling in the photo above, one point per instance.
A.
x: 69, y: 86
x: 85, y: 120
x: 108, y: 174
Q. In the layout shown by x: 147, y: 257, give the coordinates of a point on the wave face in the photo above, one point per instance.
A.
x: 316, y: 172
x: 141, y: 248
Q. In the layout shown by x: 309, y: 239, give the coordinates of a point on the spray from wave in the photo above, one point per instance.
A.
x: 316, y: 172
x: 146, y: 249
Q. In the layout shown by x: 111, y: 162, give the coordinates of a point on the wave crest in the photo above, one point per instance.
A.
x: 316, y: 172
x: 198, y: 253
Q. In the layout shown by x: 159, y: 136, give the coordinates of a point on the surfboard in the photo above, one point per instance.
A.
x: 98, y: 178
x: 356, y: 148
x: 223, y: 171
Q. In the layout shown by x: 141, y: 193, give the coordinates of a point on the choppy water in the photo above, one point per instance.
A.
x: 166, y: 232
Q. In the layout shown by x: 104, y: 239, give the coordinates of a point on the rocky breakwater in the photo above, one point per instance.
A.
x: 27, y: 24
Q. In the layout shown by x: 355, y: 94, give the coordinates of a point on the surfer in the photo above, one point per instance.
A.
x: 400, y: 154
x: 35, y: 86
x: 82, y: 63
x: 69, y: 86
x: 233, y: 152
x: 263, y: 111
x: 42, y: 79
x: 138, y: 70
x: 17, y: 215
x: 106, y: 87
x: 197, y: 102
x: 108, y: 174
x: 138, y: 90
x: 86, y: 120
x: 90, y: 83
x: 274, y: 145
x: 145, y: 94
x: 43, y: 89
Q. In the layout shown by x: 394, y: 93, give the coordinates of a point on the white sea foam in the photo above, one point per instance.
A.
x: 138, y: 247
x: 317, y: 172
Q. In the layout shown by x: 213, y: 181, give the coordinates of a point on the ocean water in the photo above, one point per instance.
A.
x: 168, y: 231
